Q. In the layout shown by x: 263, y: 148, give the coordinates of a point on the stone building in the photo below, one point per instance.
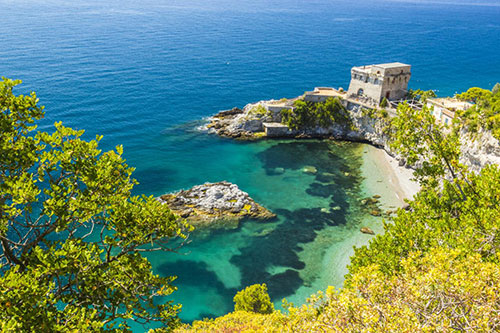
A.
x: 374, y: 82
x: 443, y: 109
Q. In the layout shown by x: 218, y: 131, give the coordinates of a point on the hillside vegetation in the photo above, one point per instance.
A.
x: 306, y: 114
x: 486, y: 110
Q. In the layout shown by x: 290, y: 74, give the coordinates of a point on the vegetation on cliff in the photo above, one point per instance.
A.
x: 71, y: 232
x: 486, y: 110
x: 306, y: 115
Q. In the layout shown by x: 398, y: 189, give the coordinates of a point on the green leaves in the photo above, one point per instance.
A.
x: 428, y: 145
x: 307, y: 115
x: 255, y: 299
x: 71, y: 233
x: 420, y: 94
x: 485, y: 113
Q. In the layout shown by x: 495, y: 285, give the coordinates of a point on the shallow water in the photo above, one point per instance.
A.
x: 305, y: 249
x: 140, y: 72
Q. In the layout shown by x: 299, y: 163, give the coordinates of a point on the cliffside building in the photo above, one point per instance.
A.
x: 443, y: 109
x: 374, y: 82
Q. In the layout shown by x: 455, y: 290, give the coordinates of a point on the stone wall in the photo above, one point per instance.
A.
x: 276, y: 130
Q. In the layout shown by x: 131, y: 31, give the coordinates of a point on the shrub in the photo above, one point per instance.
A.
x: 384, y: 102
x: 310, y: 114
x: 254, y: 298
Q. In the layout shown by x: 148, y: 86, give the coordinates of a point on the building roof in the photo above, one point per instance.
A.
x: 324, y: 91
x: 392, y: 65
x: 384, y: 66
x: 274, y: 125
x: 450, y: 103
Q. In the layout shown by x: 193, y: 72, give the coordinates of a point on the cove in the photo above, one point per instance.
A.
x: 315, y: 188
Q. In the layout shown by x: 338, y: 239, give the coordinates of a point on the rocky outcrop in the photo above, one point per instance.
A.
x: 477, y: 151
x: 219, y: 204
x: 246, y: 124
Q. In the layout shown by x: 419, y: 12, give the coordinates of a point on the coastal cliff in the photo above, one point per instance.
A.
x: 264, y: 120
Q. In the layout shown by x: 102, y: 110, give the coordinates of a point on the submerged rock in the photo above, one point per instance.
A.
x: 368, y: 201
x: 263, y: 233
x: 277, y: 171
x: 310, y: 169
x: 215, y: 204
x: 367, y: 230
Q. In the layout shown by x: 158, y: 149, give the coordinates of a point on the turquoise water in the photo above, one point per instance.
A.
x: 143, y: 73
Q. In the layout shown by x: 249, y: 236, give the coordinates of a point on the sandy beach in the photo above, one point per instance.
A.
x: 384, y: 175
x: 400, y: 177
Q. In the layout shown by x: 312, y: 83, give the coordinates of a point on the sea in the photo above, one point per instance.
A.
x: 145, y: 75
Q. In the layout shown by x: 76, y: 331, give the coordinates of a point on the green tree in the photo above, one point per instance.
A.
x: 421, y: 95
x: 425, y: 144
x: 475, y: 95
x: 254, y: 298
x: 384, y: 103
x: 307, y: 115
x: 72, y: 234
x: 484, y: 114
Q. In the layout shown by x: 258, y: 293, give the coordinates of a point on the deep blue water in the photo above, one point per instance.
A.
x: 141, y: 72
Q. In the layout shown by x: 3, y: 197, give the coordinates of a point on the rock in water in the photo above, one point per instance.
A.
x: 310, y: 169
x: 215, y: 204
x: 367, y: 230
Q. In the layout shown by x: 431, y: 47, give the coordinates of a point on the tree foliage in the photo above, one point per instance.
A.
x: 421, y: 95
x: 424, y: 143
x: 253, y: 298
x: 443, y: 290
x: 306, y: 114
x: 71, y: 232
x: 440, y: 218
x: 455, y: 208
x: 485, y: 113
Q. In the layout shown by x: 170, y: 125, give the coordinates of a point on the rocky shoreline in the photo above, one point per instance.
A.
x: 210, y: 205
x: 256, y: 120
x: 236, y: 124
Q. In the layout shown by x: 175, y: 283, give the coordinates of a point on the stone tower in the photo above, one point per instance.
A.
x: 374, y: 82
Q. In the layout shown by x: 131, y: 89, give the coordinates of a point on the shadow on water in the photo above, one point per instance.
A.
x: 280, y: 247
x: 197, y: 274
x: 273, y: 255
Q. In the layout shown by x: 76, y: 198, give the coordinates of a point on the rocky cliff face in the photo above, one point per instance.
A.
x: 477, y: 151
